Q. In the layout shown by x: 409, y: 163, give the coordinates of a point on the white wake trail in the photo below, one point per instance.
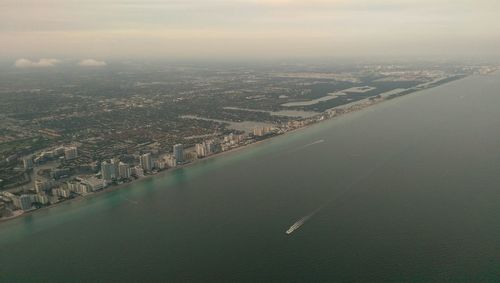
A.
x: 308, y: 145
x: 345, y: 193
x: 302, y: 221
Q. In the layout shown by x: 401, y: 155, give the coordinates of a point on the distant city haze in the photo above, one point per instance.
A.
x: 96, y: 30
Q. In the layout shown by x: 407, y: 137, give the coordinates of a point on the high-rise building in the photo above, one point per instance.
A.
x: 159, y: 164
x: 58, y: 192
x: 212, y: 146
x: 170, y: 161
x: 73, y: 186
x: 107, y: 171
x: 42, y: 198
x: 44, y: 185
x: 115, y: 173
x: 23, y: 202
x: 258, y: 131
x: 146, y: 162
x: 70, y: 153
x: 123, y: 170
x: 209, y: 147
x: 86, y: 189
x: 201, y: 150
x: 178, y: 152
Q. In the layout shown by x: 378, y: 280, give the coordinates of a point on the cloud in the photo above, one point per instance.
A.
x: 42, y: 63
x: 91, y: 63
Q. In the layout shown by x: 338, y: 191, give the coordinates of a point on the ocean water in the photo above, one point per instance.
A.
x: 405, y: 191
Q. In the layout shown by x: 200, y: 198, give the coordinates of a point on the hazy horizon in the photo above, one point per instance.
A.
x: 249, y: 141
x: 89, y: 32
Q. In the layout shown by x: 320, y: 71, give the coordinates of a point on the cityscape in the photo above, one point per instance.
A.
x: 59, y: 154
x: 249, y: 141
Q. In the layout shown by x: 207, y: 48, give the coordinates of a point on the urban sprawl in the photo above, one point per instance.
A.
x: 90, y: 141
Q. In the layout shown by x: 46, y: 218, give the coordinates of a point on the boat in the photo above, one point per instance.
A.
x: 296, y: 225
x: 301, y: 221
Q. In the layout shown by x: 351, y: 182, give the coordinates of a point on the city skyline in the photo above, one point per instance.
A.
x: 249, y: 140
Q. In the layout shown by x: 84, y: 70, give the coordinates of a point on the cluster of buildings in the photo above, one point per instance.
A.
x: 11, y: 202
x: 213, y: 146
x: 48, y: 192
x: 262, y: 131
x: 66, y: 152
x: 116, y: 170
x: 62, y: 186
x: 208, y: 147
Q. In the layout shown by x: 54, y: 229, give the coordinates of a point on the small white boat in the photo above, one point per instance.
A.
x: 297, y: 225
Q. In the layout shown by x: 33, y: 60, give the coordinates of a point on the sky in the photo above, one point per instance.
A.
x: 95, y: 30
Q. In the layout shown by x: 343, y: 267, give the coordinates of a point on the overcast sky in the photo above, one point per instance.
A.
x: 103, y: 29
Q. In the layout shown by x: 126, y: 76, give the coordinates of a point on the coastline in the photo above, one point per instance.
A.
x: 113, y: 188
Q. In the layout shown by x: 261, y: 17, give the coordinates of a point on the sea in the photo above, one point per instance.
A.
x: 404, y: 191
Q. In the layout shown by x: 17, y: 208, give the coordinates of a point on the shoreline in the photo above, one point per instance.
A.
x: 116, y: 187
x: 113, y: 188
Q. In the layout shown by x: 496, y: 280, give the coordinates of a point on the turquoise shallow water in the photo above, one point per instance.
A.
x: 406, y: 191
